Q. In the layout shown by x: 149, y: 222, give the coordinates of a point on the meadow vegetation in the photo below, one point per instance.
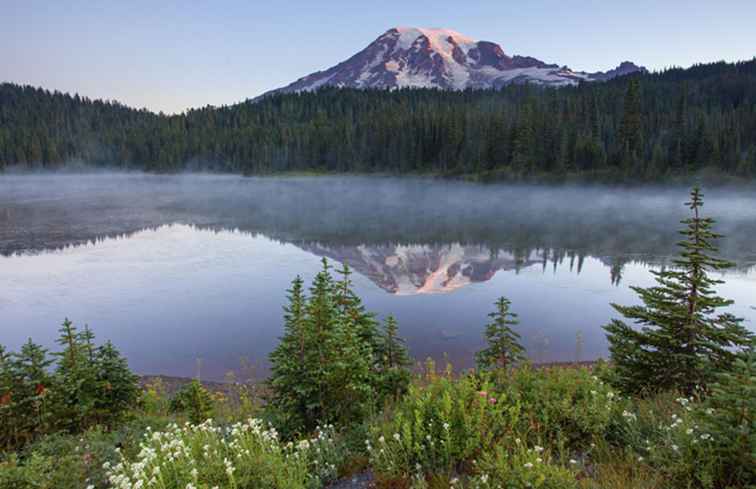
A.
x: 674, y: 407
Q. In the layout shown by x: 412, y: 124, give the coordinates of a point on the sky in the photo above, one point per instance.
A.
x: 170, y: 55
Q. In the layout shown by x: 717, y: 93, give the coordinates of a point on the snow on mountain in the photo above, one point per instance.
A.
x: 422, y: 269
x: 445, y: 59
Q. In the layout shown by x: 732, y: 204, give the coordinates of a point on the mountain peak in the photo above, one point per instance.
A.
x: 437, y: 36
x: 443, y: 58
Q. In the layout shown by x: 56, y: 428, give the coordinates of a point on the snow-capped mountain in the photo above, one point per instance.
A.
x: 422, y: 269
x: 442, y: 58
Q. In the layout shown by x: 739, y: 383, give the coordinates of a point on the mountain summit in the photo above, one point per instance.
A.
x: 445, y: 59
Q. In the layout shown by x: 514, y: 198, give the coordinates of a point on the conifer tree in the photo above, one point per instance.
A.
x: 348, y: 381
x: 194, y: 400
x: 118, y: 386
x: 350, y: 305
x: 7, y: 378
x: 630, y: 128
x: 729, y: 417
x: 683, y: 338
x: 504, y: 348
x: 28, y: 380
x: 320, y: 322
x: 325, y: 368
x: 291, y: 383
x: 75, y: 379
x: 394, y: 361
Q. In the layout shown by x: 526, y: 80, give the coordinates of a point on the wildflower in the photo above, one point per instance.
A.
x: 382, y: 439
x: 492, y: 400
x: 528, y: 465
x: 674, y: 447
x: 539, y: 460
x: 538, y: 449
x: 573, y: 461
x: 397, y: 437
x: 446, y: 426
x: 453, y: 481
x: 640, y: 459
x: 483, y: 394
x: 689, y: 431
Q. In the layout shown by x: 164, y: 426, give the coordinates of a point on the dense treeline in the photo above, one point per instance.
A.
x: 678, y: 121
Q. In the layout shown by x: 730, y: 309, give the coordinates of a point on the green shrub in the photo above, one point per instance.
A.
x: 519, y: 467
x: 61, y: 461
x: 243, y: 455
x: 438, y: 426
x: 445, y: 424
x: 193, y: 400
x: 569, y: 406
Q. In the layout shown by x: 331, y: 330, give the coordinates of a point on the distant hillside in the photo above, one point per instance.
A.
x: 641, y: 126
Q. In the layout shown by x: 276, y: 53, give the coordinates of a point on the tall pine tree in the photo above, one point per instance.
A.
x: 683, y: 338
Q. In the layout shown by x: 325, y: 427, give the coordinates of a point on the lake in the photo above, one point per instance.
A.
x: 187, y: 274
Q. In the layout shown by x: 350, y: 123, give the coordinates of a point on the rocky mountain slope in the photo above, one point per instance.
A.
x: 444, y: 59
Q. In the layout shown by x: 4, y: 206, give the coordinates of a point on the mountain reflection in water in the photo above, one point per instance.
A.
x: 176, y: 268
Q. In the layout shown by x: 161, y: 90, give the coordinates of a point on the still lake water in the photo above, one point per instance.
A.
x: 189, y: 272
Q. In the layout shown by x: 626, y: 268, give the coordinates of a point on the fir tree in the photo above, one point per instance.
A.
x: 394, y: 361
x: 325, y: 366
x: 682, y: 338
x: 348, y: 381
x: 630, y: 128
x: 504, y: 348
x: 729, y: 416
x: 321, y: 316
x: 75, y: 379
x: 290, y: 382
x: 29, y: 384
x: 118, y: 386
x: 194, y: 400
x: 350, y: 305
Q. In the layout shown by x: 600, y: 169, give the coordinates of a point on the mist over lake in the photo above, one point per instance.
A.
x: 189, y: 272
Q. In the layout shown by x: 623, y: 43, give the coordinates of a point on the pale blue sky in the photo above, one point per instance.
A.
x: 172, y: 55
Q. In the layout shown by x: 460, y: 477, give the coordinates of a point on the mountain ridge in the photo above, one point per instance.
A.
x: 416, y: 57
